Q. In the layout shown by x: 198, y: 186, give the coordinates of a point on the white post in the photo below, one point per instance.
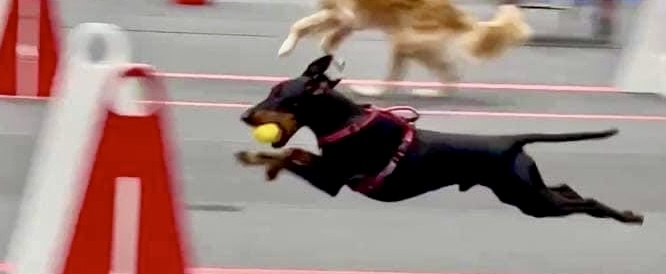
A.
x: 643, y: 65
x: 55, y: 182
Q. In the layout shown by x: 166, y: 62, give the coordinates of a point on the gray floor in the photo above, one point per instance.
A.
x: 290, y: 225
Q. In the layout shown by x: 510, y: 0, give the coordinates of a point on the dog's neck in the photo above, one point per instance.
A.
x: 330, y: 112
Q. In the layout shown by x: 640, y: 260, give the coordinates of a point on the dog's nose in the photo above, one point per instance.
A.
x: 247, y: 116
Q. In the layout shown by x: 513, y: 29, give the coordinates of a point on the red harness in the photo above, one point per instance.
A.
x: 371, y: 183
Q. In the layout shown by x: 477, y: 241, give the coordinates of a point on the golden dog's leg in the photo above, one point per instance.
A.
x: 304, y: 27
x: 330, y: 43
x: 396, y: 72
x: 344, y: 26
x: 440, y: 67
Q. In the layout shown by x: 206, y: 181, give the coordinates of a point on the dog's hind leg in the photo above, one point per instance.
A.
x: 396, y: 72
x: 547, y: 203
x: 566, y: 191
x: 541, y: 201
x: 441, y: 67
x: 597, y: 209
x: 316, y: 22
x: 575, y: 203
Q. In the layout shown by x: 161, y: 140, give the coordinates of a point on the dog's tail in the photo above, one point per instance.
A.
x: 490, y: 39
x: 563, y: 137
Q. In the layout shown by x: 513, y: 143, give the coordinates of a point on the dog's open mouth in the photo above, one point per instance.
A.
x: 285, y: 136
x: 286, y: 123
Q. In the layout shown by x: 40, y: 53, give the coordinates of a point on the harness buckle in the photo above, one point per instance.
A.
x: 397, y: 156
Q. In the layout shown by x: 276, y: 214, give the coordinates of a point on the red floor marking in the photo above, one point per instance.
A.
x: 573, y: 116
x: 490, y: 86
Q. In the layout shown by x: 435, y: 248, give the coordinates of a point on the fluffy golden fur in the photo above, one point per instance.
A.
x: 426, y: 31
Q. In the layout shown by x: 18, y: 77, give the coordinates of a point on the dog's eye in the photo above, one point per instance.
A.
x: 291, y: 103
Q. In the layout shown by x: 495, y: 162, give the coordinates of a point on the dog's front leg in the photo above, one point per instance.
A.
x: 344, y: 26
x: 332, y: 40
x: 293, y: 159
x: 318, y: 21
x: 307, y: 165
x: 316, y: 170
x: 273, y: 161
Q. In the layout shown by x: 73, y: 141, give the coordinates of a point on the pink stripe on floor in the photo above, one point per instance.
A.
x: 488, y: 86
x: 571, y: 116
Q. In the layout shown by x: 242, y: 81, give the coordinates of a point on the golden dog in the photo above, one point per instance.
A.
x: 426, y: 31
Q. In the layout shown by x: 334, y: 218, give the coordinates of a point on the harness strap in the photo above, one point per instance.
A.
x: 372, y: 113
x: 371, y: 183
x: 350, y: 129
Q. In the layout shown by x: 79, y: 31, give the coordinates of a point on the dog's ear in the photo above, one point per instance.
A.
x: 325, y: 85
x: 333, y: 83
x: 319, y: 66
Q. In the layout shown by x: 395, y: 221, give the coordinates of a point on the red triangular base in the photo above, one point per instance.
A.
x: 48, y: 50
x: 8, y: 50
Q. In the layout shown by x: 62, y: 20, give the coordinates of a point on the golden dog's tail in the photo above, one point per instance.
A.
x: 490, y: 39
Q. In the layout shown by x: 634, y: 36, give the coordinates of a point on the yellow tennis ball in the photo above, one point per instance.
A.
x: 267, y: 133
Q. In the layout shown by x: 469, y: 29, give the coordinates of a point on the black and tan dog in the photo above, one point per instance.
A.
x: 384, y: 157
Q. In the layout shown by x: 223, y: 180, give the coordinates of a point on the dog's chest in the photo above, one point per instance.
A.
x: 370, y: 149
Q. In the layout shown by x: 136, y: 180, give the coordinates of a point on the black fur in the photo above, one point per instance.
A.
x: 433, y: 161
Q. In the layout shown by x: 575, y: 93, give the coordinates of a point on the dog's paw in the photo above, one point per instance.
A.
x: 272, y: 171
x: 367, y: 91
x: 633, y: 218
x: 432, y: 93
x: 248, y: 158
x: 340, y: 64
x: 287, y: 46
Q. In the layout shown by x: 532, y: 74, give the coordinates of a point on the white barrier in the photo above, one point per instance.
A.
x: 101, y: 170
x: 642, y: 68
